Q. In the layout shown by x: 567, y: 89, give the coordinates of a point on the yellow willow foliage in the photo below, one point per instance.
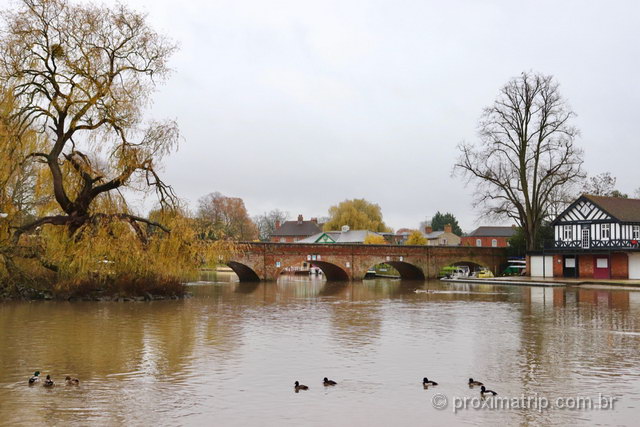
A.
x: 416, y: 238
x: 374, y: 239
x: 108, y: 249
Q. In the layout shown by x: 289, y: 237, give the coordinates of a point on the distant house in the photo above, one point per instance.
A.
x: 402, y: 235
x: 488, y: 236
x: 293, y: 231
x: 441, y: 238
x: 344, y: 236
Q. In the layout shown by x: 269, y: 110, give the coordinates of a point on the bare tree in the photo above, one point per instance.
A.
x: 526, y: 155
x: 603, y: 184
x: 81, y: 76
x: 266, y: 222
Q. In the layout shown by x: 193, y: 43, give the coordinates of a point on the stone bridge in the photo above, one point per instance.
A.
x: 265, y: 261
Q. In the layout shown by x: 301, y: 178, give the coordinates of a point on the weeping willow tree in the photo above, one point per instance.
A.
x: 79, y: 77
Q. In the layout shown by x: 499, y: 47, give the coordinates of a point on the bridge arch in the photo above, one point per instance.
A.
x: 332, y: 272
x: 244, y: 272
x: 407, y: 270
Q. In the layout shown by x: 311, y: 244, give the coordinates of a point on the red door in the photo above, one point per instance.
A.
x: 601, y: 267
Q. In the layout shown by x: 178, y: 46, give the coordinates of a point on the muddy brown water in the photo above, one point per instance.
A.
x: 230, y: 355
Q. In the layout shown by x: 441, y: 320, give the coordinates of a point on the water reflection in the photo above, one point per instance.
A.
x: 232, y: 352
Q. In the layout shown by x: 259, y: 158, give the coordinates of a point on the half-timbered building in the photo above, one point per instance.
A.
x: 597, y: 237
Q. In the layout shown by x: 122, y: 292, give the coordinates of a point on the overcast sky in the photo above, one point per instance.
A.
x: 298, y: 105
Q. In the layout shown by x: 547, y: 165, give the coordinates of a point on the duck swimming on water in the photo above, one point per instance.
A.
x: 426, y: 382
x: 484, y: 391
x: 327, y: 381
x: 48, y: 382
x: 298, y: 386
x: 72, y: 381
x: 35, y: 378
x: 474, y: 383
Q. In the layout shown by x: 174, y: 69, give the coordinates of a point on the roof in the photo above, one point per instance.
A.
x: 351, y: 236
x: 627, y: 210
x: 295, y: 228
x: 434, y: 234
x: 491, y: 231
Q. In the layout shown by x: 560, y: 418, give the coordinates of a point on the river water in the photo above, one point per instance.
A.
x: 230, y: 355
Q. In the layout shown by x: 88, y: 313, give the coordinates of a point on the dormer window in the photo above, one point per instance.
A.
x: 605, y: 232
x: 567, y: 233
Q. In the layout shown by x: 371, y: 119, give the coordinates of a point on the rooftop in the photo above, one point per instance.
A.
x: 621, y: 209
x: 493, y: 231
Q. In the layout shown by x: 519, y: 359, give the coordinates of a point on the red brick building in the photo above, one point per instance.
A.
x: 486, y: 237
x: 292, y: 231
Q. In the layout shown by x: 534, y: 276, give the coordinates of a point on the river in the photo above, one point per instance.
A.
x: 230, y: 355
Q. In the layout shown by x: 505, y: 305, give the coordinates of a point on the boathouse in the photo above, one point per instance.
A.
x: 595, y: 237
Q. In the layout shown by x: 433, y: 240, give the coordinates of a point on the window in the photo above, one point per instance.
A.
x: 494, y: 243
x: 567, y: 233
x: 605, y: 232
x: 478, y: 242
x: 636, y: 232
x: 444, y: 242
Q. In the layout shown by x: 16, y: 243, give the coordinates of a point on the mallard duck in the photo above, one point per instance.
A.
x: 484, y: 391
x: 299, y: 386
x: 48, y: 382
x: 473, y: 383
x: 327, y: 381
x: 426, y: 382
x: 72, y: 381
x: 35, y: 378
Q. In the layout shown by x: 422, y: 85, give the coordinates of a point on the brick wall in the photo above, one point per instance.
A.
x: 619, y: 266
x: 586, y: 266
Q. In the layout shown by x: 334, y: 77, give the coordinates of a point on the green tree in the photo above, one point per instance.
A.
x: 518, y: 244
x: 358, y: 214
x: 439, y: 220
x: 416, y: 238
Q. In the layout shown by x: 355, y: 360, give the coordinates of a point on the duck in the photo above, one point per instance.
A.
x: 327, y: 381
x: 474, y: 383
x: 35, y: 378
x: 426, y: 382
x: 484, y: 391
x: 299, y: 387
x: 72, y: 381
x: 48, y: 382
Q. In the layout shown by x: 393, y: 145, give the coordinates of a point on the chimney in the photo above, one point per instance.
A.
x: 277, y: 224
x: 447, y: 228
x: 300, y: 219
x: 428, y: 229
x: 314, y: 220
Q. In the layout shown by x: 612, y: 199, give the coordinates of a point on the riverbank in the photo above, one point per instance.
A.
x: 550, y: 281
x: 122, y: 289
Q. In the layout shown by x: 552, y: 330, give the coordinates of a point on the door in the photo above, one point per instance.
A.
x: 634, y: 266
x: 601, y: 267
x: 541, y: 266
x: 585, y: 238
x: 570, y: 266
